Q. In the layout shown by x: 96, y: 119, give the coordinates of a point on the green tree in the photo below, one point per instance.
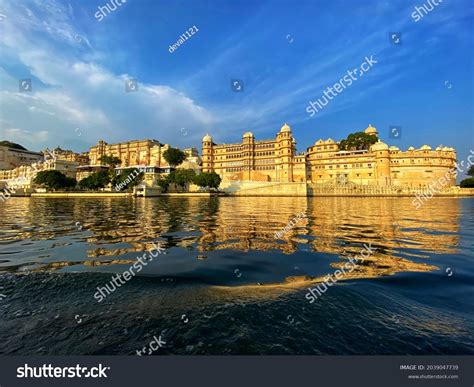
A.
x: 127, y: 179
x: 174, y: 156
x: 54, y: 180
x: 111, y: 161
x: 214, y: 180
x: 181, y: 177
x: 70, y: 182
x: 358, y: 141
x: 163, y: 183
x: 467, y: 183
x: 95, y: 181
x: 208, y: 179
x: 201, y: 180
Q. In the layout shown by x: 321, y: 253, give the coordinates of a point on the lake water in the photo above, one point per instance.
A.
x: 226, y: 284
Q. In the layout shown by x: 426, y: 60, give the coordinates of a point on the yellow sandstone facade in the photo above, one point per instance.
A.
x: 267, y: 160
x: 23, y: 176
x: 147, y: 155
x: 131, y: 153
x: 11, y: 158
x: 68, y: 155
x: 276, y: 160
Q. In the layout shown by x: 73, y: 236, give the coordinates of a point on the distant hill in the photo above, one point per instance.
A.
x: 12, y: 145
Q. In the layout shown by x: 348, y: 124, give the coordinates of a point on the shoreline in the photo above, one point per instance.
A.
x: 228, y: 194
x: 111, y: 195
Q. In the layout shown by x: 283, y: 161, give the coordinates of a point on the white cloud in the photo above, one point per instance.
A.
x: 70, y: 92
x: 25, y: 136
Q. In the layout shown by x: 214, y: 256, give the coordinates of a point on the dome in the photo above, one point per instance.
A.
x: 411, y: 148
x: 445, y: 149
x: 379, y: 146
x: 248, y: 134
x: 439, y: 148
x: 370, y: 130
x: 425, y: 147
x: 285, y: 128
x: 394, y: 148
x: 329, y: 141
x: 319, y: 142
x: 207, y: 138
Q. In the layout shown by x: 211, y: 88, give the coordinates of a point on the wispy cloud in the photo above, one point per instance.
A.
x: 79, y: 66
x: 69, y: 92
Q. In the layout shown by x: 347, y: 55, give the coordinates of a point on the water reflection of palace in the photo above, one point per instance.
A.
x: 109, y: 229
x: 333, y: 224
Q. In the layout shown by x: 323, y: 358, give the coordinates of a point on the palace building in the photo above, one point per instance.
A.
x: 146, y: 155
x: 266, y: 160
x: 131, y: 153
x: 68, y: 155
x: 11, y: 157
x: 277, y: 160
x: 141, y: 154
x: 23, y: 176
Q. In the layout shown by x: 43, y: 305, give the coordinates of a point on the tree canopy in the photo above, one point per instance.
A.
x: 54, y: 180
x: 163, y: 183
x: 174, y: 156
x: 95, y: 181
x: 208, y: 179
x: 358, y: 141
x: 181, y: 177
x: 467, y: 183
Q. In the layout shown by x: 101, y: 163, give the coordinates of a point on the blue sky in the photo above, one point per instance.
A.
x: 285, y: 52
